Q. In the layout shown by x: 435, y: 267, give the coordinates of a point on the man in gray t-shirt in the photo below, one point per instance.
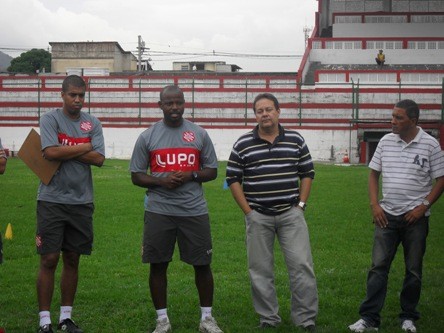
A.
x: 3, y: 161
x: 65, y: 206
x: 180, y: 157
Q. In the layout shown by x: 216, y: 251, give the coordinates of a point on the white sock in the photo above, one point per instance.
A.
x: 206, y: 312
x: 161, y: 314
x: 45, y: 318
x: 65, y: 313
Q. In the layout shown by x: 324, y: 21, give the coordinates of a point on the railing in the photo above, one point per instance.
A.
x: 219, y: 102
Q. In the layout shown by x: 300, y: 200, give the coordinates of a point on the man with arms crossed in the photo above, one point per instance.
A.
x: 409, y: 160
x: 3, y: 160
x: 180, y: 156
x: 270, y: 172
x: 65, y: 206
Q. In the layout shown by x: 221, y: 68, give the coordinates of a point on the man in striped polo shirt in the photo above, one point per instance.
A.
x: 270, y: 172
x: 409, y: 160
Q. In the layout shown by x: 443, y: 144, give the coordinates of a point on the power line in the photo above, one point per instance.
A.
x: 159, y: 53
x: 224, y: 54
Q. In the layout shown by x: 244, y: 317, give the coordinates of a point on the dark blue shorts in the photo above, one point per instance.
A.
x: 192, y: 233
x: 62, y: 227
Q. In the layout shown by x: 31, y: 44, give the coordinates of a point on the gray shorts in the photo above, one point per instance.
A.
x: 192, y: 233
x: 62, y: 227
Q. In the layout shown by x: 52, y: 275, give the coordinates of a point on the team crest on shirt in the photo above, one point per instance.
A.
x: 86, y: 126
x: 38, y: 241
x: 188, y: 136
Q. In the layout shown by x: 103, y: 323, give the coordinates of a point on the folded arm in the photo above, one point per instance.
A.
x: 83, y: 153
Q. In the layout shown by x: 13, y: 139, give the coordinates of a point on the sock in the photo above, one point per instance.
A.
x: 206, y: 312
x: 45, y: 318
x: 65, y: 313
x: 161, y: 314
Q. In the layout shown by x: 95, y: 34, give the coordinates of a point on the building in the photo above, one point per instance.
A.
x: 91, y: 58
x: 339, y: 62
x: 212, y: 66
x: 339, y: 100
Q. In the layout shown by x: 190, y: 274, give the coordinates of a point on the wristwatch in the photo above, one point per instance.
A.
x: 302, y: 205
x: 426, y: 203
x: 194, y: 176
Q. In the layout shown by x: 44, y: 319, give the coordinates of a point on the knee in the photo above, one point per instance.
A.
x: 71, y: 259
x: 49, y: 261
x: 157, y: 270
x: 202, y: 269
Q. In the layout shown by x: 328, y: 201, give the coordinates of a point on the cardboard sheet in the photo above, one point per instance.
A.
x: 31, y: 154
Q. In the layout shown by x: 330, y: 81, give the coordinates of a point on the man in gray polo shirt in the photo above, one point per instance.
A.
x: 409, y: 160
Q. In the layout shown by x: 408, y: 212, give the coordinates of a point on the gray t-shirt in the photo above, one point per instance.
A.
x: 72, y: 183
x: 162, y: 150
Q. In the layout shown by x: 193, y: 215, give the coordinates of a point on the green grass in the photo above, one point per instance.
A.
x: 113, y: 293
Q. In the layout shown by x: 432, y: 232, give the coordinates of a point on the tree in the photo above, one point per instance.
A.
x: 31, y: 62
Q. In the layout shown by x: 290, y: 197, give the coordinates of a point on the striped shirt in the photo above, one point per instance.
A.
x: 270, y: 172
x: 407, y: 170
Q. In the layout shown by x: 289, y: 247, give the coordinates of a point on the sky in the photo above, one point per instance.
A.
x: 258, y: 35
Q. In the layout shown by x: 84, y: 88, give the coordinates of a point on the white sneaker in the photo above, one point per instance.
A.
x: 408, y: 326
x: 362, y: 326
x: 162, y: 326
x: 209, y: 325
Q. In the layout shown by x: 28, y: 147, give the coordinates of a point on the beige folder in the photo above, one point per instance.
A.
x: 31, y: 154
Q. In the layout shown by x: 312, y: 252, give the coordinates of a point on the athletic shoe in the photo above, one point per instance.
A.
x: 67, y: 325
x: 408, y: 326
x: 362, y: 326
x: 162, y: 326
x: 310, y: 328
x: 209, y: 325
x: 265, y: 325
x: 45, y: 329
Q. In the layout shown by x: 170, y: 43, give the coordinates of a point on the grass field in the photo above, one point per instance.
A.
x: 113, y: 291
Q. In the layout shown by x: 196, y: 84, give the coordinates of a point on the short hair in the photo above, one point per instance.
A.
x: 73, y: 80
x: 268, y: 96
x: 171, y: 88
x: 410, y: 107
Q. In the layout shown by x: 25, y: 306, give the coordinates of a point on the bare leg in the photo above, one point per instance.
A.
x: 205, y: 284
x: 158, y: 285
x: 45, y: 280
x: 70, y: 277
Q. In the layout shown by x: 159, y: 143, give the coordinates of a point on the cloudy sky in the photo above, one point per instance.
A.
x: 250, y: 31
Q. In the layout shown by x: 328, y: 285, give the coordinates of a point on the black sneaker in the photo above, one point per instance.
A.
x: 45, y: 329
x: 265, y: 325
x: 69, y: 326
x: 310, y: 328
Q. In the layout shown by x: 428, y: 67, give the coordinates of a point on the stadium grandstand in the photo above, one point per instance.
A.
x: 339, y: 98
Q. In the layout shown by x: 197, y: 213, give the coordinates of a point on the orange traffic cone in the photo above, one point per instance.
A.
x: 8, y: 233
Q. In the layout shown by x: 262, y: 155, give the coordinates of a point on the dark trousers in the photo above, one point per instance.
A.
x: 386, y: 241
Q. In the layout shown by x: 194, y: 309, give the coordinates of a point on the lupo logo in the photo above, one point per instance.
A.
x: 174, y: 159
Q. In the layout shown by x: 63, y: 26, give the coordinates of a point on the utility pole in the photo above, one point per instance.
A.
x: 140, y: 50
x: 306, y: 31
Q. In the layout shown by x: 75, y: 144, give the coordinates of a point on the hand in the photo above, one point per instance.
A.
x: 379, y: 217
x: 173, y: 180
x: 415, y: 214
